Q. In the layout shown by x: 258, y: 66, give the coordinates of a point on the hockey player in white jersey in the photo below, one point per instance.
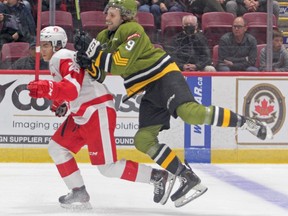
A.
x: 91, y: 122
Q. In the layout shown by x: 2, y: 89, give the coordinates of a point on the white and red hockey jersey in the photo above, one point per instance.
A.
x: 83, y: 94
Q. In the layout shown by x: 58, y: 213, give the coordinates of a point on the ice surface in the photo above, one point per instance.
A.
x: 233, y: 190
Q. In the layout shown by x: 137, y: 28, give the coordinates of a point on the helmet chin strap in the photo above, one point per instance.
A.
x: 56, y: 48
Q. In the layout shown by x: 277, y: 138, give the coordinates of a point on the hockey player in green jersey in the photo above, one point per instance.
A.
x: 124, y: 49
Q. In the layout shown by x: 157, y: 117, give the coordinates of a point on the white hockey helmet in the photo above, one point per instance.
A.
x: 55, y: 34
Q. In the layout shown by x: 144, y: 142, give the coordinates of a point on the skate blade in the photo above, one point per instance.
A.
x: 198, y: 191
x: 170, y: 181
x: 269, y: 133
x: 77, y: 206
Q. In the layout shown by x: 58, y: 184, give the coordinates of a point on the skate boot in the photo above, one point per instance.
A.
x: 190, y: 187
x: 78, y: 198
x: 162, y: 190
x: 257, y: 128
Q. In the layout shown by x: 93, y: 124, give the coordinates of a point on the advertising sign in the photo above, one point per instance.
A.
x: 265, y: 100
x: 198, y: 137
x: 25, y: 120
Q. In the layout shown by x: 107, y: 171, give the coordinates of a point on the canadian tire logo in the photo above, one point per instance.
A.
x: 266, y: 103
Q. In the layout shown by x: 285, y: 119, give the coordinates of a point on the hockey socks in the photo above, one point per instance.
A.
x: 167, y: 159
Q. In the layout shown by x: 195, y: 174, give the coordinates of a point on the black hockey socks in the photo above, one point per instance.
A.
x: 223, y: 117
x: 167, y: 159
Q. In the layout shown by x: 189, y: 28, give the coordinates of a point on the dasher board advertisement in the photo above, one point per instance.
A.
x: 25, y: 120
x: 198, y: 137
x: 266, y: 100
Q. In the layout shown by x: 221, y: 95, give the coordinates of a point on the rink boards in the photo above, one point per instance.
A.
x: 27, y: 124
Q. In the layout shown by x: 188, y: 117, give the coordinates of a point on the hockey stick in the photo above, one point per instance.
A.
x: 38, y: 29
x: 77, y: 6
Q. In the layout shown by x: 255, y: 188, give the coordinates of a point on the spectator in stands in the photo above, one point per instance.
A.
x: 169, y: 5
x: 18, y: 22
x: 144, y: 5
x: 223, y: 3
x: 189, y: 48
x: 240, y: 7
x: 280, y: 54
x: 158, y: 7
x: 59, y: 5
x: 202, y: 6
x: 28, y: 4
x: 28, y: 63
x: 237, y: 49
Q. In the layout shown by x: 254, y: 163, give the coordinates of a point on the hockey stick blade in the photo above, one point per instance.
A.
x: 170, y: 181
x: 198, y: 190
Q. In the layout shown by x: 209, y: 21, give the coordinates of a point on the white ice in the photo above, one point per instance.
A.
x: 233, y: 190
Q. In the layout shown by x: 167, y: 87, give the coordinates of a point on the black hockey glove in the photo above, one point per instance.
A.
x: 81, y: 41
x: 87, y: 49
x: 60, y: 109
x: 87, y: 63
x: 83, y: 60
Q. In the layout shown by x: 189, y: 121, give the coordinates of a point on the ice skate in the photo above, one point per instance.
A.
x: 257, y: 128
x: 190, y: 187
x: 78, y: 199
x: 162, y: 190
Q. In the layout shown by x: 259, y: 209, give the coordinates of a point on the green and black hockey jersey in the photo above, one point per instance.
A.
x: 129, y: 52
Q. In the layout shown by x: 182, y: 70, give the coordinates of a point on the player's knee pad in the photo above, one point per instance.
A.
x: 58, y: 153
x: 146, y: 137
x: 123, y: 169
x: 194, y: 113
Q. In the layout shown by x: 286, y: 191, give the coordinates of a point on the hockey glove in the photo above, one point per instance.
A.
x: 85, y: 62
x: 96, y: 73
x: 87, y: 49
x: 84, y: 44
x: 59, y: 108
x: 81, y: 41
x: 42, y: 89
x: 82, y: 60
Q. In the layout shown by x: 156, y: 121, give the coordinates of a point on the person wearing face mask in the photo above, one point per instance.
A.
x: 189, y: 48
